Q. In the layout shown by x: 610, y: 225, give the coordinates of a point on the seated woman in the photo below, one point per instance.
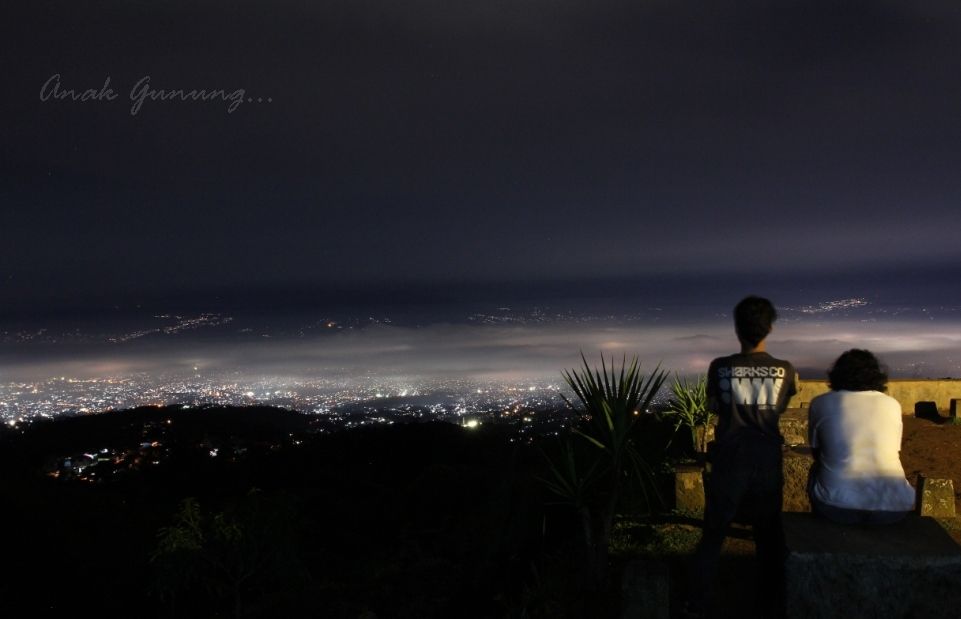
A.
x: 855, y: 432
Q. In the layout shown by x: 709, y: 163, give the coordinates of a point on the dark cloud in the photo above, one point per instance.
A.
x: 460, y: 141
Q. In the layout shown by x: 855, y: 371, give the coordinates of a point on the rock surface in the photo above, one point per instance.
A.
x: 645, y: 590
x: 794, y: 426
x: 937, y: 498
x: 910, y: 569
x: 689, y: 489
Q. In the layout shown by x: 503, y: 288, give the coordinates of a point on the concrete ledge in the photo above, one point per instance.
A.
x: 910, y: 569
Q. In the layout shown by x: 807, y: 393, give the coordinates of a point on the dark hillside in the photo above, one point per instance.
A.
x: 412, y: 520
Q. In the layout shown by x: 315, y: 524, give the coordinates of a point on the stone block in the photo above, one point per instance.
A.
x: 794, y: 426
x: 937, y: 498
x: 797, y: 467
x: 689, y: 489
x: 955, y: 407
x: 909, y: 569
x: 645, y: 590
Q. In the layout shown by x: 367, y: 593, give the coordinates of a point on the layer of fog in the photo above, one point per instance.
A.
x: 909, y: 349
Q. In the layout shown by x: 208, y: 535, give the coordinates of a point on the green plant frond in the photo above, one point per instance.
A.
x: 609, y: 395
x: 621, y: 380
x: 643, y: 475
x: 607, y: 379
x: 653, y: 383
x: 594, y: 479
x: 560, y: 489
x: 563, y: 469
x: 688, y: 405
x: 608, y: 415
x: 573, y: 492
x: 566, y: 480
x: 591, y: 439
x: 582, y: 384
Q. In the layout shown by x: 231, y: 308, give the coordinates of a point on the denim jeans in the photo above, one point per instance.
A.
x: 746, y: 483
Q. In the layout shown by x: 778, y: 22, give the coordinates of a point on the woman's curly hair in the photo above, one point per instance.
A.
x: 858, y: 370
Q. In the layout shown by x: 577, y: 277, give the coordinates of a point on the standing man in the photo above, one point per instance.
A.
x: 748, y: 391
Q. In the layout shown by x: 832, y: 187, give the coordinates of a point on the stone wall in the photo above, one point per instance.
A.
x: 906, y: 391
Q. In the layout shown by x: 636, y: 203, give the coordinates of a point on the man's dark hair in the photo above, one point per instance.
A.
x: 858, y: 370
x: 753, y: 318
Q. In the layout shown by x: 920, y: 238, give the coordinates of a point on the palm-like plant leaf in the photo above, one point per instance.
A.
x: 567, y: 480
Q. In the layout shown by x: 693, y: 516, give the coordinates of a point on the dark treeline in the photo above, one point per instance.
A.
x: 418, y: 520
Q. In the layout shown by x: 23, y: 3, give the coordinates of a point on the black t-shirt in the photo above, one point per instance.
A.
x: 749, y: 391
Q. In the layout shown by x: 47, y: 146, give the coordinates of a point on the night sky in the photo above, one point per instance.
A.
x: 453, y: 143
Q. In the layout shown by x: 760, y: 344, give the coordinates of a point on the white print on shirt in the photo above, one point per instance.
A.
x: 751, y: 372
x: 762, y: 392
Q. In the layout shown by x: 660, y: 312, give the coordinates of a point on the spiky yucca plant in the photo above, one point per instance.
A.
x: 608, y: 402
